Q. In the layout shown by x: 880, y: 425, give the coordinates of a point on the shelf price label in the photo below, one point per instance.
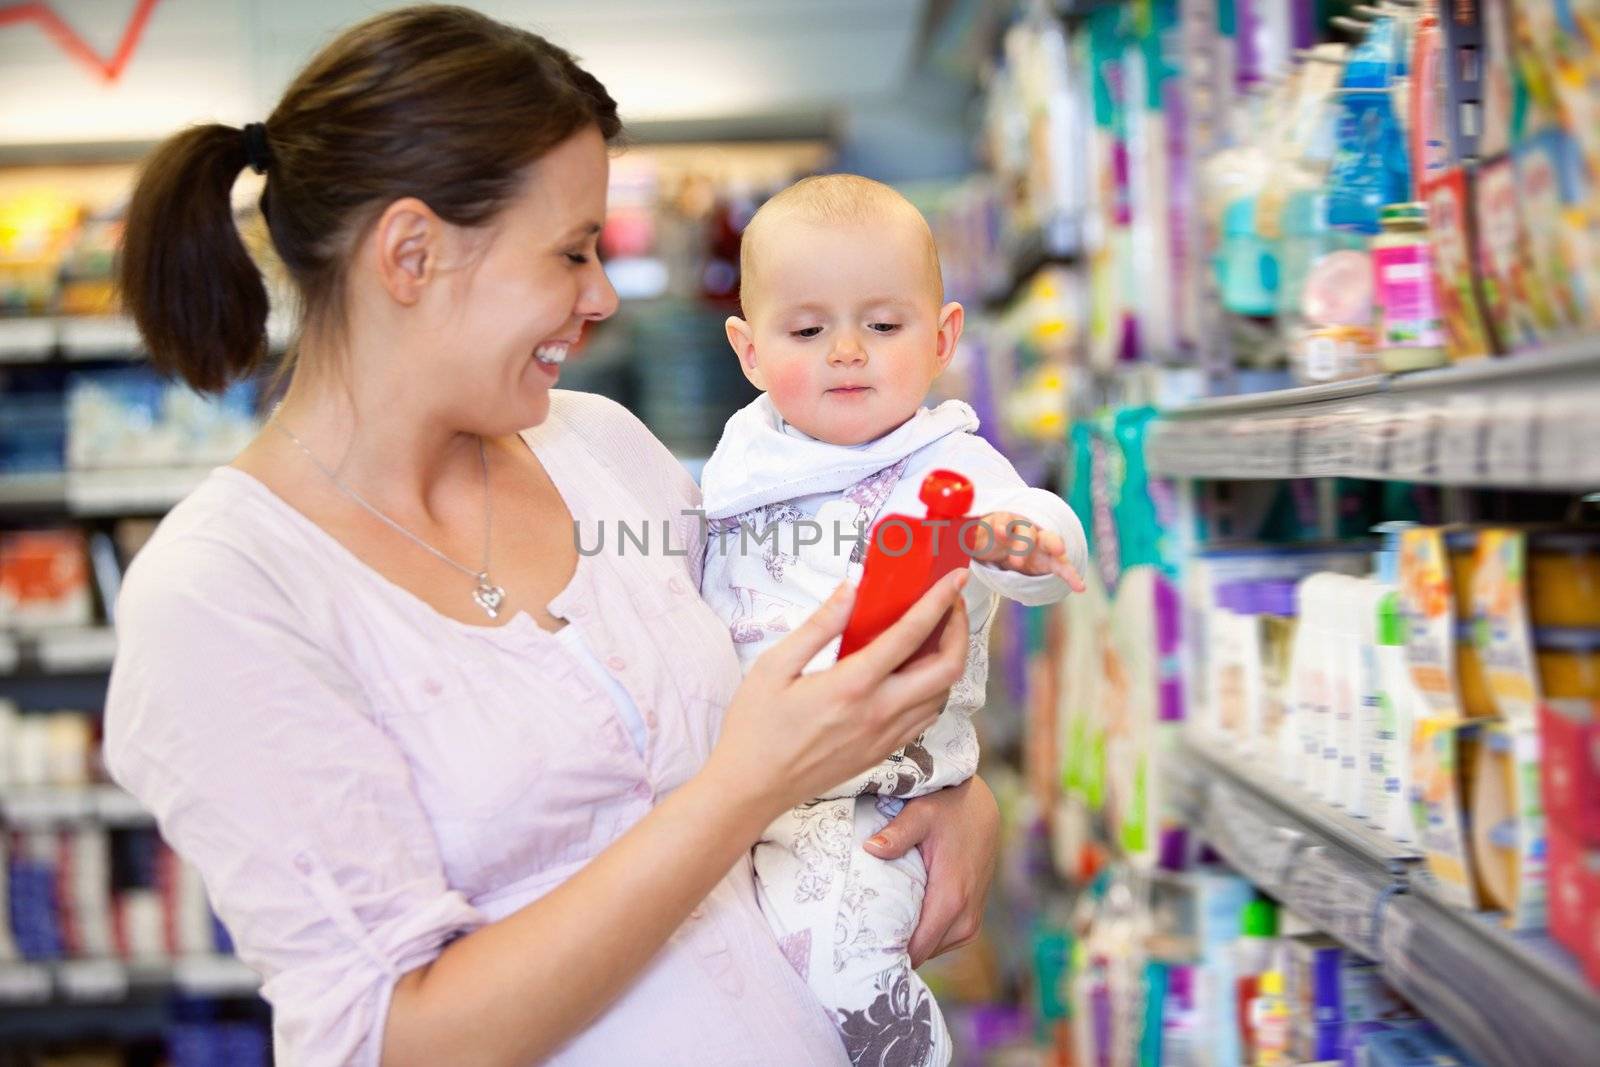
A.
x: 1568, y: 450
x: 24, y: 983
x: 1509, y: 443
x: 1462, y: 426
x: 46, y: 806
x: 1413, y: 443
x: 1266, y: 448
x: 26, y: 338
x: 88, y: 648
x: 1369, y: 447
x: 93, y: 980
x: 1325, y: 444
x: 213, y: 975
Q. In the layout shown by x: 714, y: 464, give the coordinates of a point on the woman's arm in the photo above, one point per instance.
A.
x: 513, y: 991
x: 958, y: 830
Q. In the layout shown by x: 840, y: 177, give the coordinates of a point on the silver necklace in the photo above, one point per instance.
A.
x: 485, y: 594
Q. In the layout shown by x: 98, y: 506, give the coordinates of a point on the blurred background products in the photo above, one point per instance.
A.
x: 1297, y: 304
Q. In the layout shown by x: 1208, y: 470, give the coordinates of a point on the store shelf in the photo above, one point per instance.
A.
x: 97, y: 493
x: 109, y: 981
x: 1508, y: 999
x: 1316, y: 821
x: 26, y: 340
x: 63, y: 650
x: 48, y: 489
x: 44, y: 339
x: 1519, y: 422
x: 41, y: 807
x: 75, y: 649
x: 134, y: 491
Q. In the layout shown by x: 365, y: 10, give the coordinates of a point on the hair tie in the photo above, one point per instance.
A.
x: 257, y: 153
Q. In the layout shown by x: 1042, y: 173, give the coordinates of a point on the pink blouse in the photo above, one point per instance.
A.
x: 360, y: 779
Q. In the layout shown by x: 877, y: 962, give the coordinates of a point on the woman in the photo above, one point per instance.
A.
x: 460, y: 794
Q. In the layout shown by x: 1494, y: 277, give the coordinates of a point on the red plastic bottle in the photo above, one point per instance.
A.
x: 906, y: 556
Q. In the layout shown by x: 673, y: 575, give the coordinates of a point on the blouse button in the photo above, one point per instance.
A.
x: 676, y: 585
x: 616, y: 663
x: 642, y: 790
x: 302, y: 863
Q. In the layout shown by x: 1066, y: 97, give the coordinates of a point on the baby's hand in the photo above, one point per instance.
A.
x: 1015, y: 544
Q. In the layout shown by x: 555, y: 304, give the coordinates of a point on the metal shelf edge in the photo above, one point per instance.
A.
x: 1330, y: 826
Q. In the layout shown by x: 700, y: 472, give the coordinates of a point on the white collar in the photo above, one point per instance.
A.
x: 762, y: 460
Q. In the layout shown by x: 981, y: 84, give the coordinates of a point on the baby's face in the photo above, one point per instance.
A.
x: 845, y: 331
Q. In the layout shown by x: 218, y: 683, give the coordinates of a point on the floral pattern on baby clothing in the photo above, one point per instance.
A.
x: 869, y: 495
x: 896, y: 1029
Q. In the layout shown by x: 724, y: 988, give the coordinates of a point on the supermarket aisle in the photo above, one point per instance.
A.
x: 1298, y: 305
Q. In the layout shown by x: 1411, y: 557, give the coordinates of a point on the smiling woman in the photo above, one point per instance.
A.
x: 441, y: 841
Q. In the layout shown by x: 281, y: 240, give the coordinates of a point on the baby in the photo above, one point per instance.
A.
x: 844, y: 331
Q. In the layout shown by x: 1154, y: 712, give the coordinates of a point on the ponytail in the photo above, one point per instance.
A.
x: 194, y: 292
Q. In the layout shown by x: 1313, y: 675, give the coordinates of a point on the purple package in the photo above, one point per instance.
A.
x: 1355, y: 1037
x: 1315, y: 961
x: 1318, y: 1044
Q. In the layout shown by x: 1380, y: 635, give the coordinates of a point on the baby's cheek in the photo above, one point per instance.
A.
x: 789, y: 385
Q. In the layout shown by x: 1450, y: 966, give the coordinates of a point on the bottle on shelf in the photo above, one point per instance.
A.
x: 1254, y: 954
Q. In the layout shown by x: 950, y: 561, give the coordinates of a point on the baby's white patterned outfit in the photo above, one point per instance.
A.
x: 785, y: 515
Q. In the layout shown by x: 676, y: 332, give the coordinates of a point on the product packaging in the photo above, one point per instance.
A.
x: 1461, y: 304
x: 44, y: 579
x: 1508, y: 824
x: 1415, y: 1047
x: 1346, y: 752
x: 1255, y: 954
x: 1410, y: 327
x: 1428, y: 600
x: 1575, y: 899
x: 1504, y: 634
x: 1388, y: 778
x: 1278, y: 623
x: 1313, y: 990
x: 1564, y: 576
x: 1569, y: 671
x: 1518, y: 313
x: 1442, y: 753
x: 1364, y: 996
x: 1271, y: 1022
x: 1551, y: 190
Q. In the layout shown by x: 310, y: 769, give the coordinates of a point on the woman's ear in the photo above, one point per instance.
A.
x: 743, y: 342
x: 951, y: 319
x: 407, y: 241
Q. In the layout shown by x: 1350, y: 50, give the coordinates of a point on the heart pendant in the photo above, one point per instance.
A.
x: 489, y: 598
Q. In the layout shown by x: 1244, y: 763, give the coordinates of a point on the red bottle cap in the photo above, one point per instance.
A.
x: 947, y: 494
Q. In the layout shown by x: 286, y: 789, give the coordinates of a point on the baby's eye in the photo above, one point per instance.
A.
x: 806, y: 331
x: 884, y: 327
x: 577, y: 258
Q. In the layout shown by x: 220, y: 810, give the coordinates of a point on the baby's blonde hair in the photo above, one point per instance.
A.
x: 831, y: 200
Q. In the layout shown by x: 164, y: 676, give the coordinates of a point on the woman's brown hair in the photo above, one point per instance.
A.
x: 440, y: 103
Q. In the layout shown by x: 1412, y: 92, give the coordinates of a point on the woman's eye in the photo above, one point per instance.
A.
x: 808, y: 331
x: 884, y: 327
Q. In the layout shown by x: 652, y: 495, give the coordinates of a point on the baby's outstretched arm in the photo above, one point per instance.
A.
x: 1016, y: 543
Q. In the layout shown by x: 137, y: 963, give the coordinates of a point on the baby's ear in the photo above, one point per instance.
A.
x: 951, y: 319
x: 741, y: 338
